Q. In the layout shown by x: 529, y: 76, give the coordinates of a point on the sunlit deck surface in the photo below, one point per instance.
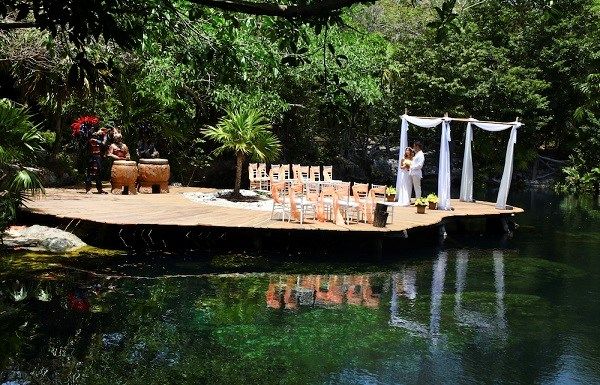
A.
x: 175, y: 210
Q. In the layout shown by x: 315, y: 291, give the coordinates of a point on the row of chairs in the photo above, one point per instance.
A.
x: 260, y: 179
x: 354, y: 203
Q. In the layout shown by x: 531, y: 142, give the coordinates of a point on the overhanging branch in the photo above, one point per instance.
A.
x: 4, y: 26
x: 320, y: 8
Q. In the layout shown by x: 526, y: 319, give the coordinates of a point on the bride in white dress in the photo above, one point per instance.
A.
x: 404, y: 183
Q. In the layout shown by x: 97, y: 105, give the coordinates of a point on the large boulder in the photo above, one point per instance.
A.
x: 43, y: 238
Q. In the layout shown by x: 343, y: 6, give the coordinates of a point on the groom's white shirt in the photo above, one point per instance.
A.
x: 417, y: 165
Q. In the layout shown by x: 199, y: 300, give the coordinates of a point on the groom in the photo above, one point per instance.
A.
x: 415, y: 168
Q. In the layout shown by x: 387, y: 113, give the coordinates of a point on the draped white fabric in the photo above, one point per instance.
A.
x: 466, y: 181
x: 508, y: 169
x: 466, y: 186
x: 403, y: 180
x: 444, y: 169
x: 492, y: 126
x: 426, y: 123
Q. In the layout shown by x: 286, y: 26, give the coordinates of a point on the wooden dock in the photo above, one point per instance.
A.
x: 70, y: 207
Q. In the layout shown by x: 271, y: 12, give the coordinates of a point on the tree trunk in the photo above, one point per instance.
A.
x: 58, y: 123
x: 238, y: 172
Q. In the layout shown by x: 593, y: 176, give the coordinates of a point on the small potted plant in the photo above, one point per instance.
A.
x: 421, y: 203
x: 433, y: 201
x: 390, y: 193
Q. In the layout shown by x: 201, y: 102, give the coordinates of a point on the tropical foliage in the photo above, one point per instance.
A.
x: 246, y: 133
x: 332, y: 86
x: 20, y: 142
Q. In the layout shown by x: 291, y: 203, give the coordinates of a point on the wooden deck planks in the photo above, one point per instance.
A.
x: 175, y: 210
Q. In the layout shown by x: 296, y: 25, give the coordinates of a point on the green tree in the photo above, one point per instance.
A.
x: 20, y: 142
x: 246, y: 133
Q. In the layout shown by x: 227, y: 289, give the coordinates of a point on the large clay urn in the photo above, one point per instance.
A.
x: 124, y: 173
x: 154, y: 173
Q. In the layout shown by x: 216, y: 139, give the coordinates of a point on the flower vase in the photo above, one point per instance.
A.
x: 391, y: 197
x: 432, y: 206
x: 421, y: 209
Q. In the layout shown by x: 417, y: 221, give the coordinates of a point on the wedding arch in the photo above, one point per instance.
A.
x: 444, y: 182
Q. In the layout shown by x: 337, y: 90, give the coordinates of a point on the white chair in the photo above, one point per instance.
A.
x: 349, y: 208
x: 360, y: 193
x: 280, y: 206
x: 302, y: 205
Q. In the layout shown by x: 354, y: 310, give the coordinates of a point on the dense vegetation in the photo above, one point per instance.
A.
x: 332, y: 84
x: 21, y: 142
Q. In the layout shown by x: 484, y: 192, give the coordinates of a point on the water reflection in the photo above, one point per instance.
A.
x: 404, y: 285
x: 443, y: 320
x: 290, y: 292
x: 294, y: 291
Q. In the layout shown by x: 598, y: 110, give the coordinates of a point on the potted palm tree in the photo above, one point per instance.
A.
x: 246, y: 133
x: 433, y: 201
x: 421, y: 203
x: 390, y: 193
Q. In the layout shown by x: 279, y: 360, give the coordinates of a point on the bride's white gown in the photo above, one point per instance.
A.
x: 404, y: 188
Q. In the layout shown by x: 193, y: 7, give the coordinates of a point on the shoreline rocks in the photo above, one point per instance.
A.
x: 41, y: 238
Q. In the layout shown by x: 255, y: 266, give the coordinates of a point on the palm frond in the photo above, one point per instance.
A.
x: 246, y: 132
x: 26, y: 181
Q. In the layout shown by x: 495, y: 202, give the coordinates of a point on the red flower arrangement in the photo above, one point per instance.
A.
x: 84, y: 122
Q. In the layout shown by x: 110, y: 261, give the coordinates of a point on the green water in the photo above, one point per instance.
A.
x: 480, y: 310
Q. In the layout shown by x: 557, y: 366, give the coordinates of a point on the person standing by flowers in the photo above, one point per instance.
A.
x: 93, y: 140
x: 404, y: 188
x: 416, y: 167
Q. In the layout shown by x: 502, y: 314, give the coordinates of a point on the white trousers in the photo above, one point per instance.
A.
x: 417, y: 186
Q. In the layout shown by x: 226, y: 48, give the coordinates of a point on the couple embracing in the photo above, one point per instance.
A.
x: 410, y: 174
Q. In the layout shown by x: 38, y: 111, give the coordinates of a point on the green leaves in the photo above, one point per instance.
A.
x: 445, y: 20
x: 20, y: 143
x: 246, y: 132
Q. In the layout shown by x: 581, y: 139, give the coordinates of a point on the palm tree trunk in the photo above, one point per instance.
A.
x: 238, y: 172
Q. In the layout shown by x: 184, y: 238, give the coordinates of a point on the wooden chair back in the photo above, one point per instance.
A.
x: 304, y: 172
x: 315, y: 173
x: 328, y: 173
x: 296, y: 172
x: 377, y: 193
x: 285, y: 171
x: 360, y: 191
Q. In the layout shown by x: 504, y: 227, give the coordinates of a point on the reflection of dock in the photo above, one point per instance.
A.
x: 169, y: 216
x: 317, y: 290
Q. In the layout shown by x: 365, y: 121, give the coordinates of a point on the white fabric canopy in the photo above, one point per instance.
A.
x: 466, y: 187
x: 403, y: 196
x: 444, y: 180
